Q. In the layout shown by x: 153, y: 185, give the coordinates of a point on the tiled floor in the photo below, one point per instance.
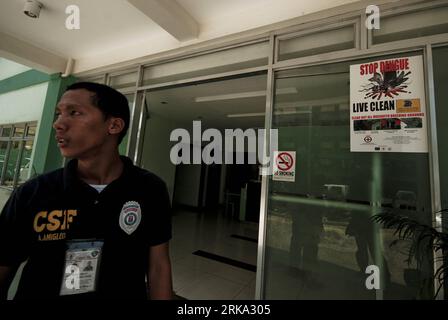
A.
x: 196, y: 277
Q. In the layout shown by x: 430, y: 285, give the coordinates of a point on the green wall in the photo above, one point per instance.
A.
x: 46, y: 154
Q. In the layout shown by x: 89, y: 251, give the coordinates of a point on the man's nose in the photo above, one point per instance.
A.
x: 59, y: 124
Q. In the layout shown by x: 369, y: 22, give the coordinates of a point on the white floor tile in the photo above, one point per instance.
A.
x: 184, y: 275
x: 210, y: 287
x: 196, y: 277
x: 219, y: 269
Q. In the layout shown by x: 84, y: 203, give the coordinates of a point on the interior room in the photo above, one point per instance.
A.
x: 215, y: 206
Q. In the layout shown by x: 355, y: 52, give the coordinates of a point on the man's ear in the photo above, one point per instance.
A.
x: 116, y: 125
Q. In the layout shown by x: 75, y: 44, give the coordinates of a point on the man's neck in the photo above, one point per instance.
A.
x: 100, y: 170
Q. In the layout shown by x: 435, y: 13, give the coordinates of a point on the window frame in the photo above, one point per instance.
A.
x: 10, y: 140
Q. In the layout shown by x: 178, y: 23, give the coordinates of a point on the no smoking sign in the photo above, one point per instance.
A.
x: 284, y: 166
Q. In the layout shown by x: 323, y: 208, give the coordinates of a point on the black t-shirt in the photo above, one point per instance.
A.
x: 47, y: 212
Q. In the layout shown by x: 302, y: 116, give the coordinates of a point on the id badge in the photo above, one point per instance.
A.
x: 81, y: 266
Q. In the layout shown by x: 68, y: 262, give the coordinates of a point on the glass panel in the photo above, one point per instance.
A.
x: 441, y: 83
x: 97, y: 79
x: 123, y: 145
x: 320, y: 238
x: 19, y: 129
x: 25, y: 165
x: 223, y: 61
x: 6, y: 132
x: 130, y: 98
x: 412, y: 25
x: 3, y: 149
x: 317, y: 43
x: 124, y: 81
x: 223, y: 104
x: 11, y: 165
x: 31, y: 130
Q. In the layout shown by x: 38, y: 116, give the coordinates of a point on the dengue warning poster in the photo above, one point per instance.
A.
x: 388, y: 111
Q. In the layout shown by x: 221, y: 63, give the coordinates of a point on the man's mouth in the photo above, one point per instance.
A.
x: 62, y: 142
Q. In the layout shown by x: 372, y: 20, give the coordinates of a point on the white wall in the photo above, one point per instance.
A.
x: 9, y: 68
x: 156, y: 158
x: 156, y: 150
x: 23, y: 105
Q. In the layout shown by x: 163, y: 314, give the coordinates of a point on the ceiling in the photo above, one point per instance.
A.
x: 212, y: 102
x: 241, y: 103
x: 115, y: 31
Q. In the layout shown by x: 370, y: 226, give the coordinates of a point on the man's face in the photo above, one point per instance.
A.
x: 81, y: 129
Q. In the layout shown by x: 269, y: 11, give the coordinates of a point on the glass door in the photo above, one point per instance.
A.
x: 440, y: 56
x: 320, y: 236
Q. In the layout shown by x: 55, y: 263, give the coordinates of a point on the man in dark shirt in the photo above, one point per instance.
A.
x: 99, y: 211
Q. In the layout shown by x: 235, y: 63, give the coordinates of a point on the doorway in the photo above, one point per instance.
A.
x: 215, y: 206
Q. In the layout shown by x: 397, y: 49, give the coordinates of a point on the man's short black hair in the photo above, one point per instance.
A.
x: 111, y: 102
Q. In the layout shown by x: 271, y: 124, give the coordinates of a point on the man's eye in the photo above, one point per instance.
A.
x: 75, y: 113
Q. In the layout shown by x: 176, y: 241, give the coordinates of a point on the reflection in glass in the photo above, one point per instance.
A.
x: 412, y: 25
x: 124, y: 80
x: 441, y: 83
x: 26, y: 169
x: 248, y: 56
x: 317, y: 43
x: 124, y: 142
x: 6, y: 132
x: 19, y: 130
x: 3, y: 150
x: 16, y: 141
x: 31, y: 131
x: 320, y: 237
x: 11, y: 165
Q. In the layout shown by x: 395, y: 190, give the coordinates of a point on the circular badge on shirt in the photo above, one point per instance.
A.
x: 130, y: 216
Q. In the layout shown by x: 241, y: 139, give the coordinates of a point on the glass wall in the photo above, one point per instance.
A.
x: 124, y: 143
x: 441, y: 84
x: 124, y: 81
x: 440, y: 61
x: 418, y: 23
x: 312, y: 43
x: 320, y: 236
x: 249, y: 56
x: 16, y: 147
